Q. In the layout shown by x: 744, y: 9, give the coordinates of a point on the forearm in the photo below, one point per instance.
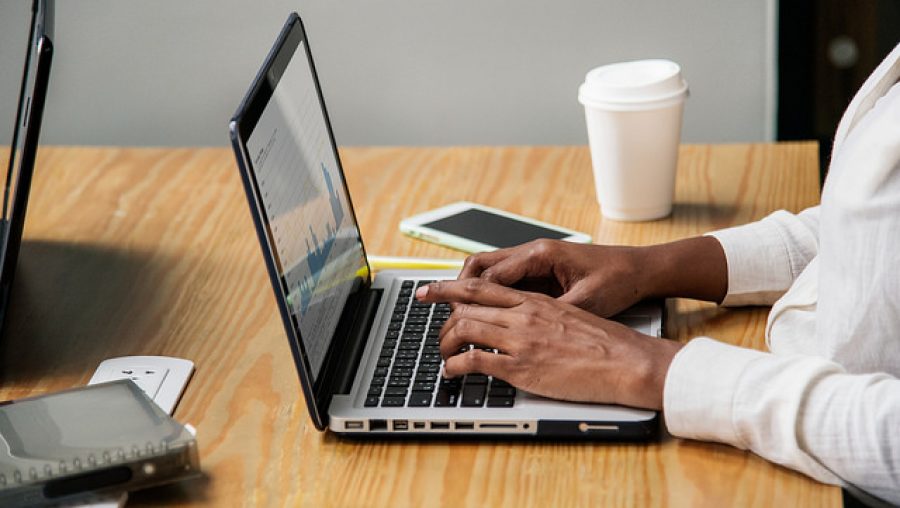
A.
x: 691, y: 268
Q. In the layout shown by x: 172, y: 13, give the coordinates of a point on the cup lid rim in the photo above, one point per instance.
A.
x: 634, y: 82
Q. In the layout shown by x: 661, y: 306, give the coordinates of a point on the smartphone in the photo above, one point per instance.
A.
x: 471, y: 227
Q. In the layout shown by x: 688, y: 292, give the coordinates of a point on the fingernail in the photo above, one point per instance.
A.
x: 421, y: 292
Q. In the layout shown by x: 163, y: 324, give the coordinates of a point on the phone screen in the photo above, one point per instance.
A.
x: 492, y: 229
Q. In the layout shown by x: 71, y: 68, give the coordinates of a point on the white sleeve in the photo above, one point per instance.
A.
x: 806, y: 413
x: 765, y: 257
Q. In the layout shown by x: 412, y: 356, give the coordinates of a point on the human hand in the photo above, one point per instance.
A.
x: 601, y: 279
x: 605, y: 279
x: 548, y: 347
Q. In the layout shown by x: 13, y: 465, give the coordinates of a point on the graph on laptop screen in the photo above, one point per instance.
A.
x: 318, y: 252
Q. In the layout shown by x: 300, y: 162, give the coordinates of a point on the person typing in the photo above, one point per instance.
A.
x: 825, y: 399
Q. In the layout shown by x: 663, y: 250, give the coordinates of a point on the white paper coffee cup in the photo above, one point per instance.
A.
x: 633, y: 112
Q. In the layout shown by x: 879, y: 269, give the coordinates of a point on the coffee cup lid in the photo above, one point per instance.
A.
x: 641, y: 84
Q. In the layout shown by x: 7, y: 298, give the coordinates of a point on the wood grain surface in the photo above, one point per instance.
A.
x: 152, y: 251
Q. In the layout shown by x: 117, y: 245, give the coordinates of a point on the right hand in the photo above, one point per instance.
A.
x: 601, y: 279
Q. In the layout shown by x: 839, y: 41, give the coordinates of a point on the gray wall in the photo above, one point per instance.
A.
x: 397, y: 72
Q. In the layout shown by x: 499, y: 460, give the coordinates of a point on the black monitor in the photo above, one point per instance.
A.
x: 24, y: 143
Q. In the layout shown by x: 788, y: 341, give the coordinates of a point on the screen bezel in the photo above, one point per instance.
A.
x: 316, y: 391
x: 29, y: 115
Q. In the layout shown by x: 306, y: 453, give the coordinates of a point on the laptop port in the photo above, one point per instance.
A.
x: 464, y: 425
x: 419, y: 425
x: 401, y: 425
x: 497, y: 426
x: 440, y: 425
x: 376, y: 425
x: 354, y: 425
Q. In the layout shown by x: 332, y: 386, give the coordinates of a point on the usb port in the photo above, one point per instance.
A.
x: 354, y: 425
x: 464, y: 425
x: 401, y: 425
x: 440, y: 425
x: 419, y: 425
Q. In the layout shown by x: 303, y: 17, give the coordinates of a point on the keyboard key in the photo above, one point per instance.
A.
x: 395, y: 326
x: 398, y: 382
x: 389, y: 344
x: 423, y: 282
x: 423, y: 387
x: 473, y: 395
x: 378, y: 381
x: 426, y: 377
x: 476, y: 379
x: 381, y: 372
x: 387, y: 353
x: 393, y: 401
x: 431, y: 350
x: 429, y: 367
x: 393, y: 391
x: 501, y: 391
x: 500, y: 401
x: 446, y: 398
x: 401, y: 372
x: 371, y: 401
x: 393, y: 334
x: 411, y: 345
x: 420, y: 399
x: 407, y: 284
x: 374, y: 390
x: 404, y: 362
x: 407, y: 354
x: 384, y: 362
x: 431, y: 359
x: 416, y: 320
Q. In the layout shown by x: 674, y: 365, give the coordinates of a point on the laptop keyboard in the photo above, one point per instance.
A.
x: 408, y: 373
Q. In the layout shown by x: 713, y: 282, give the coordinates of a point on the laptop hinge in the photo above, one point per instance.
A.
x: 349, y: 344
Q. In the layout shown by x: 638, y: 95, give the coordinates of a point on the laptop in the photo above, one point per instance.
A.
x: 366, y: 351
x: 23, y: 149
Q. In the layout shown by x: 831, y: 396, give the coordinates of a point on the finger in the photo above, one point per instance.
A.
x: 475, y: 291
x: 470, y: 331
x: 491, y: 315
x: 483, y: 362
x: 476, y: 263
x: 514, y: 268
x: 577, y: 295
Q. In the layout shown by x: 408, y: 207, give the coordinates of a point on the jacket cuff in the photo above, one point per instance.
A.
x: 700, y: 388
x: 759, y: 268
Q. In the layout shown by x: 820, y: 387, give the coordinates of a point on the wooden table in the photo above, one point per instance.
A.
x: 152, y: 251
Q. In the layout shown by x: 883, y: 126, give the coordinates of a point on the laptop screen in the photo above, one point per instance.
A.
x: 311, y: 228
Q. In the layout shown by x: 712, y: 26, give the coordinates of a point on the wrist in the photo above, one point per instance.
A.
x: 689, y: 268
x: 651, y: 376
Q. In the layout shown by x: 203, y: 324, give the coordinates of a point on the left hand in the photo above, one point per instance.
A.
x: 548, y: 347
